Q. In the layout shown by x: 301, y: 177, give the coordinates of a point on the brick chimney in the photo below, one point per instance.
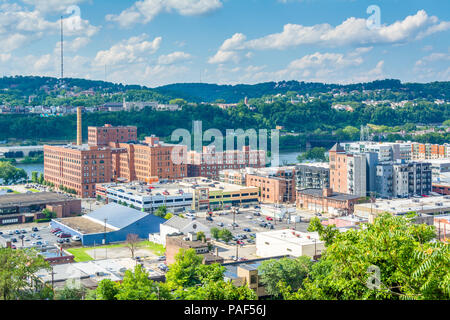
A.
x: 327, y: 192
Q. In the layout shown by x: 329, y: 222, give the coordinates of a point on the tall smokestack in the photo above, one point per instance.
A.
x: 79, y: 127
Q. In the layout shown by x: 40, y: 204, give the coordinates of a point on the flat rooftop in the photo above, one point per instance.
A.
x: 334, y: 196
x: 321, y: 165
x: 180, y: 187
x: 402, y: 206
x: 28, y: 199
x: 294, y: 237
x: 84, y: 225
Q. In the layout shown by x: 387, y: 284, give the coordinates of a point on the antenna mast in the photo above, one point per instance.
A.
x: 62, y: 52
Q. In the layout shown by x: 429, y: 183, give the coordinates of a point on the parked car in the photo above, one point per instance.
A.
x: 220, y: 224
x: 247, y: 230
x: 17, y: 232
x: 35, y: 229
x: 23, y: 231
x: 162, y: 258
x: 13, y: 240
x: 55, y: 230
x: 269, y: 218
x: 257, y: 207
x: 235, y: 225
x: 67, y: 240
x: 60, y: 241
x: 1, y: 233
x: 240, y: 242
x: 76, y: 238
x: 249, y: 217
x: 163, y: 267
x: 263, y: 225
x: 65, y: 235
x: 209, y: 219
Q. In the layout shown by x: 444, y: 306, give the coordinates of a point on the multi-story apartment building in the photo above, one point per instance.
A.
x: 338, y: 169
x: 102, y: 136
x: 385, y: 151
x: 361, y: 173
x: 276, y: 185
x: 312, y: 176
x: 77, y: 167
x: 149, y: 161
x: 233, y: 176
x: 209, y: 163
x: 410, y: 179
x: 429, y: 151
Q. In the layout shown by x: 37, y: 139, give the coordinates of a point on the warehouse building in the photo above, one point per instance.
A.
x: 22, y: 208
x: 289, y: 242
x: 109, y: 224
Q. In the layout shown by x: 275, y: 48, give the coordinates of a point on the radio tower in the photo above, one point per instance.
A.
x: 62, y: 53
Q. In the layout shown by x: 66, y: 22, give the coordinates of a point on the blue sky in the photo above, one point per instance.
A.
x: 157, y: 42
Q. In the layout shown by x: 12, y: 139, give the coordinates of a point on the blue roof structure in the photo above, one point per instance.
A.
x: 126, y: 220
x: 117, y: 216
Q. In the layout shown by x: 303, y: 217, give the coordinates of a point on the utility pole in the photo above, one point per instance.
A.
x: 53, y: 279
x: 104, y: 242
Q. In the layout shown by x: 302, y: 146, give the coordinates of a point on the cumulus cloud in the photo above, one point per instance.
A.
x: 146, y: 10
x: 128, y: 51
x: 351, y: 32
x: 52, y: 5
x: 173, y: 58
x: 19, y: 26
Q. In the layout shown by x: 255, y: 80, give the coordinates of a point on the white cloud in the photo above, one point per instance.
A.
x: 146, y: 10
x: 133, y: 50
x: 433, y: 58
x: 173, y: 58
x: 352, y: 32
x: 52, y: 5
x: 19, y: 26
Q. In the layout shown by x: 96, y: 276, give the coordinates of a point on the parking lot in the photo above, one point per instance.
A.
x: 23, y: 236
x: 248, y: 223
x: 249, y: 219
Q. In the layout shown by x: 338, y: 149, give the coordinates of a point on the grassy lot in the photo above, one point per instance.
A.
x: 81, y: 255
x: 34, y: 190
x: 157, y: 249
x: 7, y: 188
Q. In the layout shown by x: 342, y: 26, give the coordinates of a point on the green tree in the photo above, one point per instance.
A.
x: 326, y: 233
x: 410, y: 265
x: 292, y: 271
x: 218, y: 290
x: 184, y: 272
x: 161, y: 211
x: 201, y: 236
x: 137, y: 286
x: 41, y: 178
x: 168, y: 216
x: 107, y: 290
x: 18, y: 271
x: 316, y: 154
x: 10, y: 174
x: 226, y: 235
x: 70, y: 293
x: 34, y: 176
x: 215, y: 233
